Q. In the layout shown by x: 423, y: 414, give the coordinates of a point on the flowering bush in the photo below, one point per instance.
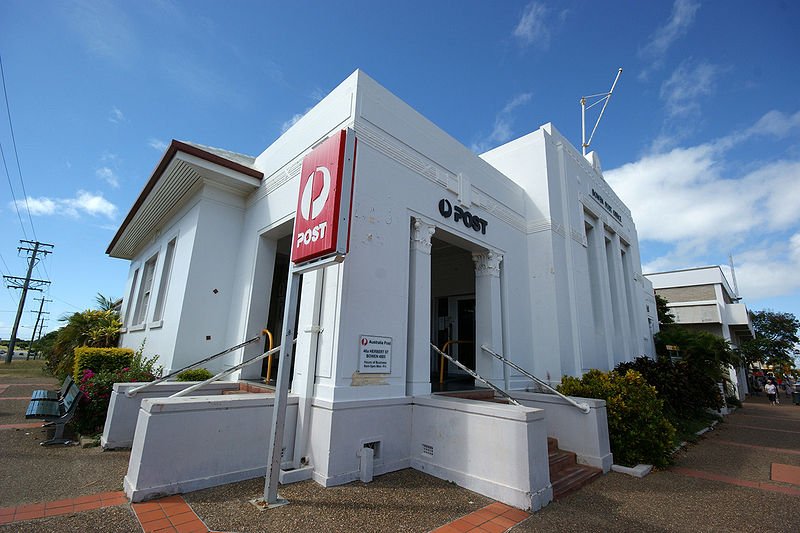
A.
x: 637, y: 428
x: 97, y: 387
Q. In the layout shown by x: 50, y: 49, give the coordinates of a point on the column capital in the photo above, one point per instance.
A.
x: 421, y: 233
x: 487, y: 263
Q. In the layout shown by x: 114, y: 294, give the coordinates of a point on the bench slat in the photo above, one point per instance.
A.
x: 40, y: 394
x: 44, y: 409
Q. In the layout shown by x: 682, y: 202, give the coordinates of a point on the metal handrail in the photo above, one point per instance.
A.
x: 441, y: 359
x: 477, y: 376
x: 269, y: 361
x: 583, y: 406
x: 224, y: 373
x: 149, y: 384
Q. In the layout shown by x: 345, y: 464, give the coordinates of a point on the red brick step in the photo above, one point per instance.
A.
x: 566, y: 476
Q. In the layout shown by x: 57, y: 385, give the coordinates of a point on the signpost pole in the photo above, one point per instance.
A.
x: 275, y: 450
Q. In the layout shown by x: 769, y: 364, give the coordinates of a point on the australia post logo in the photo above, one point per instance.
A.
x: 316, y: 225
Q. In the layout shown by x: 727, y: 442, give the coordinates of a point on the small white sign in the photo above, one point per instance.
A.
x: 374, y: 354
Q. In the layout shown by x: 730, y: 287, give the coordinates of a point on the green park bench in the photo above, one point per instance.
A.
x: 56, y: 413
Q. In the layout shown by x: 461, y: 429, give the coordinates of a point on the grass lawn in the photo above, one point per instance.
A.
x: 33, y: 368
x: 686, y: 429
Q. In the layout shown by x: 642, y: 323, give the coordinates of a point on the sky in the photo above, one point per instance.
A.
x: 701, y: 139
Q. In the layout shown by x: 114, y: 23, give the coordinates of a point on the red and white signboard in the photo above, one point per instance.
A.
x: 322, y: 222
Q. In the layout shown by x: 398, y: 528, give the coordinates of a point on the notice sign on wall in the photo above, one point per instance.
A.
x: 374, y: 354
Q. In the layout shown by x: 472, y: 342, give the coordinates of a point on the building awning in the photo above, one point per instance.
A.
x: 181, y: 169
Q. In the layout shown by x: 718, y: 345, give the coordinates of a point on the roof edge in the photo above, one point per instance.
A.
x: 174, y: 147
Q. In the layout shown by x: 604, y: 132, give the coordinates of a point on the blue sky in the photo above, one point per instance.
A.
x: 701, y: 139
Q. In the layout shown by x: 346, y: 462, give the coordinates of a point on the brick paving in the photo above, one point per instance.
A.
x: 22, y: 513
x: 168, y: 515
x: 493, y: 518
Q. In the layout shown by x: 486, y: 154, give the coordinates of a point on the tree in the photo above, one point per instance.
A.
x: 665, y: 316
x: 776, y: 341
x: 104, y: 303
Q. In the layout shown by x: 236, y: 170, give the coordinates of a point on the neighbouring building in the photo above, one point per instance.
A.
x: 525, y: 249
x: 702, y: 299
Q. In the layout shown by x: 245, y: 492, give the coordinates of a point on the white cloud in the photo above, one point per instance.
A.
x: 83, y: 203
x: 108, y: 175
x: 503, y: 122
x: 681, y: 18
x: 533, y: 27
x: 292, y: 121
x: 116, y: 116
x: 696, y: 203
x: 157, y: 144
x: 768, y: 271
x: 683, y: 90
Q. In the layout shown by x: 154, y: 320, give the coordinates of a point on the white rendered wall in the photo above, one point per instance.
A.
x: 234, y: 429
x: 123, y: 411
x: 160, y: 338
x: 568, y: 334
x: 494, y: 449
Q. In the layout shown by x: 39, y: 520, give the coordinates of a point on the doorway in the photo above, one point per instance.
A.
x: 277, y: 305
x: 453, y: 314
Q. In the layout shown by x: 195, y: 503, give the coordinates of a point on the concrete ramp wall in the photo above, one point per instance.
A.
x: 584, y: 434
x: 124, y: 411
x: 495, y: 449
x: 195, y: 442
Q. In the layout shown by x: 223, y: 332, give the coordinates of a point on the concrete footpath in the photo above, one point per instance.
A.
x: 742, y: 476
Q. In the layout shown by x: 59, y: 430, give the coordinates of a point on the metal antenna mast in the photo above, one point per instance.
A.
x: 601, y: 97
x: 733, y: 276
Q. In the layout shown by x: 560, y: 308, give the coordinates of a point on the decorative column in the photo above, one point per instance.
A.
x: 488, y: 315
x: 418, y: 359
x: 620, y: 299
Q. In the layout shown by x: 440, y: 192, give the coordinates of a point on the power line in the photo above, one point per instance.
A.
x: 13, y: 196
x: 16, y: 154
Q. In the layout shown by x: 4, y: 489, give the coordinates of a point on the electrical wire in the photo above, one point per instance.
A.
x: 13, y: 196
x: 16, y: 154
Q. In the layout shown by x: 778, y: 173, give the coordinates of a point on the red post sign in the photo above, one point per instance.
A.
x: 322, y: 221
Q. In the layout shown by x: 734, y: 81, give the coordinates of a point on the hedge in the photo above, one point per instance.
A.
x: 194, y: 374
x: 100, y: 360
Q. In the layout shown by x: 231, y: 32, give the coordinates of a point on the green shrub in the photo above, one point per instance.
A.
x: 674, y: 383
x: 100, y: 359
x: 97, y: 387
x: 97, y: 328
x: 194, y: 374
x: 637, y: 428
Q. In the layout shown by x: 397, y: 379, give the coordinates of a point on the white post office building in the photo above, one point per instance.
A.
x: 524, y: 251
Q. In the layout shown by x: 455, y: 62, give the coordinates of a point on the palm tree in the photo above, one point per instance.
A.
x: 104, y: 303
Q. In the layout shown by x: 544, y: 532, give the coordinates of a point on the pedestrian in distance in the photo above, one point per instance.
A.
x: 772, y: 392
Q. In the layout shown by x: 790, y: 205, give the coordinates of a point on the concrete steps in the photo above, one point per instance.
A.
x: 566, y: 475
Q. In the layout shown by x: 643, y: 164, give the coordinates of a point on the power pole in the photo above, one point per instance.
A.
x: 25, y: 285
x: 42, y: 300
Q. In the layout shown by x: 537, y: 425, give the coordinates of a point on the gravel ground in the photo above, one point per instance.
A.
x: 664, y: 501
x: 404, y: 501
x: 13, y: 411
x: 109, y: 520
x: 33, y: 473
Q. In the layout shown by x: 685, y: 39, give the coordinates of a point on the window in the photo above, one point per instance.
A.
x: 144, y: 290
x: 164, y: 285
x: 129, y: 307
